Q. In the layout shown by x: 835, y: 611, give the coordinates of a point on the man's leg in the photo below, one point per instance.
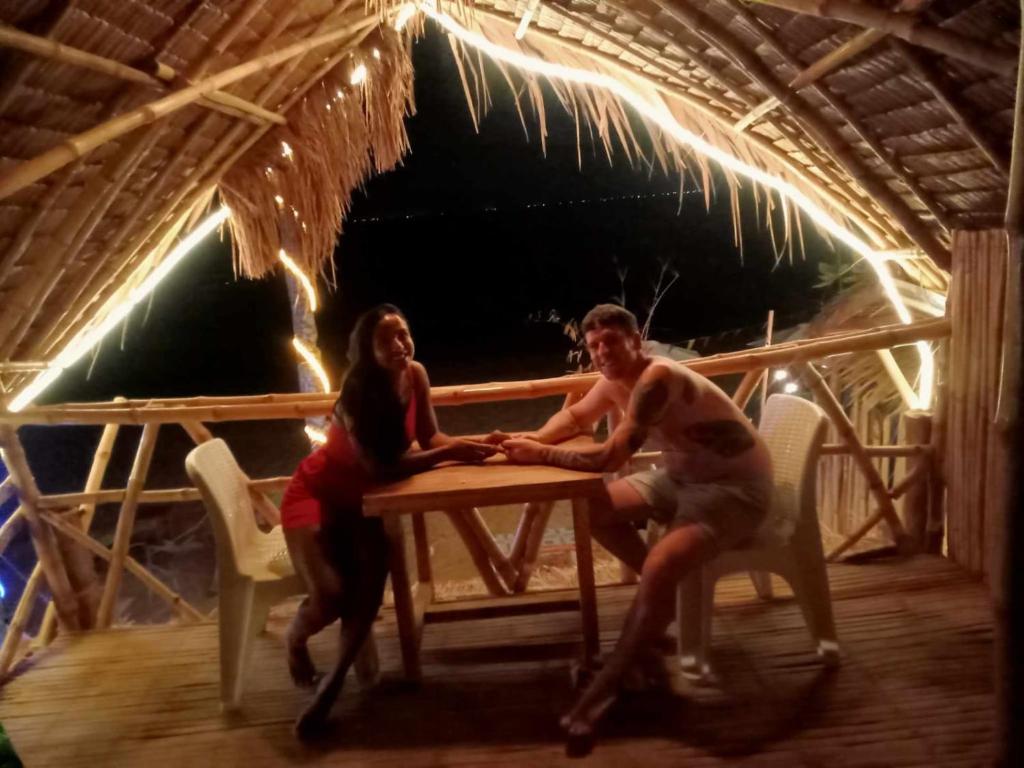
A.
x: 611, y: 522
x: 653, y: 606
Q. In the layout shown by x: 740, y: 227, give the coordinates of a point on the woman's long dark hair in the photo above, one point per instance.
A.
x: 375, y: 415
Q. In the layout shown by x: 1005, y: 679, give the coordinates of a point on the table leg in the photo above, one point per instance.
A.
x: 585, y: 574
x: 405, y: 611
x: 419, y: 533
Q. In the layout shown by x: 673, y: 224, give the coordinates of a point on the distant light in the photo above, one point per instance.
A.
x: 376, y: 53
x: 358, y: 74
x: 781, y: 374
x: 791, y: 388
x: 278, y: 199
x: 339, y: 94
x: 286, y: 150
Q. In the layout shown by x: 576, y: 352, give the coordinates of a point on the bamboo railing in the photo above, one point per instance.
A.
x: 47, y: 515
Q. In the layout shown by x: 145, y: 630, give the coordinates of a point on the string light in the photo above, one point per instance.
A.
x: 790, y: 388
x: 286, y: 150
x: 313, y: 363
x: 780, y: 375
x: 405, y: 13
x: 88, y: 338
x: 659, y: 114
x: 306, y: 283
x: 279, y: 200
x: 376, y: 54
x: 358, y: 74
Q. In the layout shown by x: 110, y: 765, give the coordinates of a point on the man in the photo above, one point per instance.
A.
x: 712, y: 493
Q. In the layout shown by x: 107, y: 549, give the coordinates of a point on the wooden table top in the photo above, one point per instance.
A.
x: 496, y: 481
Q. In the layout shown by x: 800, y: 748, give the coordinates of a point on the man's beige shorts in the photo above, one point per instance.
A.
x: 730, y: 512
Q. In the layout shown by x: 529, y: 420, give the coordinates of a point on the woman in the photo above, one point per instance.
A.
x: 341, y: 556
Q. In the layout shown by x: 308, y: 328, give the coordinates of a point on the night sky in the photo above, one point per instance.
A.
x: 474, y: 237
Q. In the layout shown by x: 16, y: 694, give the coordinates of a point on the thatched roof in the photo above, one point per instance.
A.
x: 106, y: 159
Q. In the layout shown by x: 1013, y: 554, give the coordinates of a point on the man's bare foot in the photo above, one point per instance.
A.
x: 300, y: 665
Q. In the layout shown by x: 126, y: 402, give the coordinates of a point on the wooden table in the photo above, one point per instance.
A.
x: 462, y: 486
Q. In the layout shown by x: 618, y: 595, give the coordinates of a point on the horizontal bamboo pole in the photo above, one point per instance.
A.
x: 81, y: 144
x: 878, y: 451
x: 300, y: 406
x: 815, y: 72
x: 66, y: 54
x: 156, y: 496
x: 980, y: 53
x: 133, y: 566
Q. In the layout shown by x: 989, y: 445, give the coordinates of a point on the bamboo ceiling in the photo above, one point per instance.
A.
x: 899, y: 121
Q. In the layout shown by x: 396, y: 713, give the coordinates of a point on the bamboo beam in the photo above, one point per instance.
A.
x: 75, y: 534
x: 825, y: 134
x: 319, y: 403
x: 42, y: 538
x: 940, y: 89
x: 483, y: 534
x: 477, y: 553
x: 916, y: 506
x: 538, y: 524
x: 977, y: 52
x: 81, y: 144
x: 878, y: 451
x: 86, y: 511
x: 747, y: 387
x: 20, y: 619
x: 223, y: 102
x: 125, y: 524
x: 813, y: 72
x: 11, y: 527
x: 846, y: 430
x: 887, y: 157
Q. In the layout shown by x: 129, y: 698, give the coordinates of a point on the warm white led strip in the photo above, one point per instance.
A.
x: 90, y: 337
x: 314, y: 364
x: 658, y: 113
x: 307, y: 284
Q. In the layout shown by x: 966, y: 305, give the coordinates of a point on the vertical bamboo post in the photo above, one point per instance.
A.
x: 100, y: 460
x: 766, y: 380
x: 848, y: 434
x: 915, y: 502
x: 747, y: 387
x: 42, y: 537
x: 125, y: 524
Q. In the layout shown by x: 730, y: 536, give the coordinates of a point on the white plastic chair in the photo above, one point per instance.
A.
x: 788, y: 543
x: 255, y: 571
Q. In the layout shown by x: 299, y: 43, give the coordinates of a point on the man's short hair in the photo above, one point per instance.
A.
x: 610, y: 315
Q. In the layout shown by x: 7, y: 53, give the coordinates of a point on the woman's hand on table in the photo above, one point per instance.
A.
x: 461, y: 449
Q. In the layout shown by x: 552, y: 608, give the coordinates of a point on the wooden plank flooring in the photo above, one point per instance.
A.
x: 914, y: 689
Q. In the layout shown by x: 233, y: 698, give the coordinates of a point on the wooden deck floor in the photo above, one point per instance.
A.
x: 914, y: 688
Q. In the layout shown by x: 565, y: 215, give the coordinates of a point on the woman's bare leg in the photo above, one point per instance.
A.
x: 359, y: 613
x: 319, y: 608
